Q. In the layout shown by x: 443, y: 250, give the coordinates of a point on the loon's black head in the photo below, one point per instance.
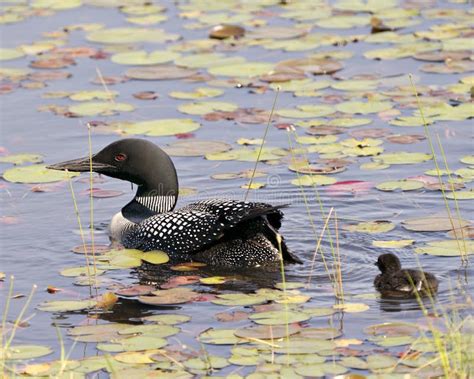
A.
x: 388, y: 263
x: 135, y: 160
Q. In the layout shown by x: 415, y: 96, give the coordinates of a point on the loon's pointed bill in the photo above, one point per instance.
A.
x: 82, y: 165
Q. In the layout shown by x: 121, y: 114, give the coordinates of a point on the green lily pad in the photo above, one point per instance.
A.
x: 155, y: 257
x: 306, y: 111
x: 137, y: 343
x: 242, y: 299
x: 403, y: 185
x: 155, y: 330
x: 359, y: 107
x: 205, y: 107
x: 393, y: 329
x: 249, y: 155
x: 208, y: 362
x: 460, y: 195
x: 36, y: 174
x: 434, y: 224
x: 198, y: 93
x: 265, y: 332
x: 66, y: 305
x: 246, y: 69
x: 158, y: 128
x: 80, y: 271
x: 168, y: 319
x: 18, y: 159
x: 93, y: 95
x: 220, y: 337
x: 468, y: 159
x: 100, y: 108
x: 403, y: 157
x: 204, y: 60
x: 9, y: 54
x: 143, y: 58
x: 377, y: 362
x: 354, y: 362
x: 447, y: 248
x: 391, y: 341
x: 378, y: 226
x: 196, y: 148
x: 313, y: 180
x: 278, y: 317
x: 160, y: 72
x: 17, y: 352
x: 130, y: 35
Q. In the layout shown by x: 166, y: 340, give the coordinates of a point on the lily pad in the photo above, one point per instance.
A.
x: 130, y: 35
x: 359, y: 107
x: 265, y: 332
x: 447, y: 248
x: 163, y: 72
x: 395, y: 244
x: 278, y: 317
x: 36, y: 174
x: 159, y: 127
x: 313, y: 180
x: 18, y: 159
x: 155, y: 257
x: 16, y: 352
x: 100, y: 108
x: 66, y: 305
x: 404, y: 185
x: 434, y: 224
x: 247, y: 69
x: 378, y: 226
x: 403, y: 157
x: 143, y: 58
x: 220, y: 337
x: 200, y: 108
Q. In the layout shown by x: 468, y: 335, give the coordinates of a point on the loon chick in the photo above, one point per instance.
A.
x: 216, y: 231
x: 402, y: 282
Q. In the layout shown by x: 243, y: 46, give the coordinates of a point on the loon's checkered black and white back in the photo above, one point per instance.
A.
x: 216, y: 231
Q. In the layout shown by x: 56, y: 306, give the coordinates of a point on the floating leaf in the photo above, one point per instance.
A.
x: 209, y: 362
x: 16, y: 352
x: 351, y: 307
x: 313, y: 180
x: 278, y: 317
x: 168, y: 319
x: 434, y: 224
x: 403, y: 157
x: 156, y: 330
x: 36, y: 174
x: 198, y: 93
x: 460, y: 195
x: 66, y: 305
x: 18, y: 159
x: 392, y: 340
x: 234, y: 299
x: 377, y: 362
x: 448, y: 248
x: 162, y: 72
x: 404, y: 185
x: 359, y: 107
x: 130, y: 35
x: 81, y: 271
x: 155, y: 257
x: 143, y: 58
x: 220, y: 337
x: 99, y: 108
x: 161, y: 127
x: 378, y: 226
x: 266, y: 332
x: 207, y: 107
x: 9, y: 54
x: 170, y: 296
x: 468, y: 159
x: 247, y: 69
x: 137, y: 343
x: 213, y: 280
x: 395, y: 244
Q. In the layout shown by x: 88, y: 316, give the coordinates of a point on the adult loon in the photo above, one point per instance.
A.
x: 216, y: 231
x: 398, y: 282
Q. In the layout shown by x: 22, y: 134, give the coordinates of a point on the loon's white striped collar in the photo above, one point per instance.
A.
x: 158, y: 204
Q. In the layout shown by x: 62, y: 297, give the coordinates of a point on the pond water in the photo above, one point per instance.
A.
x: 51, y: 54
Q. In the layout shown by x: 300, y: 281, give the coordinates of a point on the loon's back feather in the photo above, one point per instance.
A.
x: 199, y: 227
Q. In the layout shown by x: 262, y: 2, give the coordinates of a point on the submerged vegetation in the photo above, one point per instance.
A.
x: 317, y: 96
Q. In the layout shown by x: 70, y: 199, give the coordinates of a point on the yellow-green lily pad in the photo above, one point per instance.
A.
x: 159, y: 127
x: 360, y: 107
x: 403, y: 185
x: 278, y: 317
x: 36, y: 174
x: 378, y: 226
x: 100, y: 108
x: 246, y: 69
x: 130, y: 35
x: 17, y: 352
x: 18, y: 159
x: 143, y: 58
x: 313, y: 180
x: 155, y: 257
x: 66, y: 305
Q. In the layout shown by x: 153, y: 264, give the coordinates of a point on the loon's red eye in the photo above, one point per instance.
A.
x: 120, y: 157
